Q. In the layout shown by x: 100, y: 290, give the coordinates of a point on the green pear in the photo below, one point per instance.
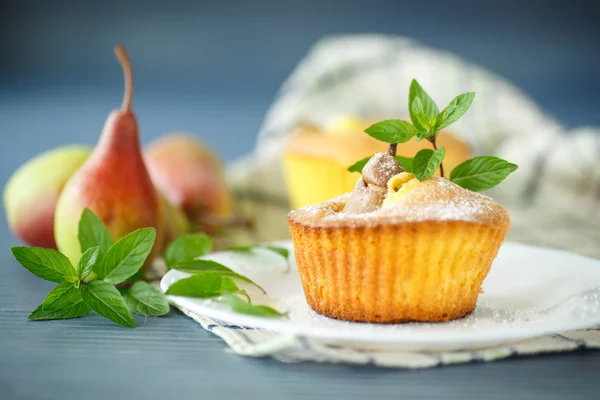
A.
x: 31, y: 193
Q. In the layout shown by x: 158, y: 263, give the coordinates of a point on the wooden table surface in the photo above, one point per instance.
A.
x: 173, y: 357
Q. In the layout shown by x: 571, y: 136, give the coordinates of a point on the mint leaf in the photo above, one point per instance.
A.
x: 145, y: 299
x: 418, y: 111
x: 187, y: 248
x: 245, y: 307
x: 481, y: 173
x: 62, y: 296
x: 205, y: 285
x: 422, y: 135
x: 105, y: 300
x: 87, y: 261
x: 358, y: 166
x: 48, y: 264
x: 127, y: 256
x: 282, y: 251
x: 429, y: 106
x: 203, y: 266
x: 392, y: 131
x: 138, y: 276
x: 426, y: 162
x: 76, y: 310
x: 93, y: 232
x: 457, y: 107
x: 405, y: 162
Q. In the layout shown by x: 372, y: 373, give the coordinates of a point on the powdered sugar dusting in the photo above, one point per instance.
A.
x: 435, y: 199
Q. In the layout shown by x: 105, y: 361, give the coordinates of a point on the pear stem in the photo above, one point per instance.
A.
x: 392, y: 149
x: 128, y: 74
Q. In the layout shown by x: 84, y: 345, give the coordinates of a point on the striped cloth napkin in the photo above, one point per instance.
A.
x: 553, y: 199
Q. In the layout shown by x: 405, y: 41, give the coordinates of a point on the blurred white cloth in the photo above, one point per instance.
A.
x: 555, y: 193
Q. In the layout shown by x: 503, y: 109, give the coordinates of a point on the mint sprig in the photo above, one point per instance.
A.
x: 91, y: 284
x: 246, y: 307
x: 392, y: 131
x: 429, y: 107
x: 144, y: 299
x: 105, y: 300
x: 281, y: 251
x: 479, y: 173
x: 211, y: 279
x: 426, y: 162
x: 203, y: 266
x: 92, y: 232
x: 47, y: 264
x: 187, y: 248
x: 126, y: 256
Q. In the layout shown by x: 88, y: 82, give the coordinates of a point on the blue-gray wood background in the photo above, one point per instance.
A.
x: 213, y: 68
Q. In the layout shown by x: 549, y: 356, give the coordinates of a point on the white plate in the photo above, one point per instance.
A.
x: 529, y: 292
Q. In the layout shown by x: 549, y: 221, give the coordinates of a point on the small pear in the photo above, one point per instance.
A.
x: 189, y: 174
x: 113, y: 182
x: 31, y: 193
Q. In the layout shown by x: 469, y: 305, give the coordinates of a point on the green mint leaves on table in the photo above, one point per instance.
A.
x: 90, y: 286
x: 479, y: 173
x: 211, y: 279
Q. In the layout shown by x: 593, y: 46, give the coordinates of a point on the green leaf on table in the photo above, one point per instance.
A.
x: 456, y: 109
x: 93, y: 232
x: 358, y: 166
x: 203, y: 266
x: 282, y: 251
x: 481, y: 173
x: 187, y: 248
x: 392, y: 131
x: 105, y: 300
x: 242, y: 306
x: 76, y: 310
x: 87, y: 262
x: 62, y: 296
x: 204, y: 285
x: 48, y: 264
x: 126, y: 257
x: 426, y: 162
x: 145, y: 299
x: 418, y: 112
x: 429, y: 107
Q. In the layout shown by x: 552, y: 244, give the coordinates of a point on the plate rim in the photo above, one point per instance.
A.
x: 508, y: 334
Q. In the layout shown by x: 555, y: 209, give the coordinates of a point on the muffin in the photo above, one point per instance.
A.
x: 315, y: 161
x: 397, y: 249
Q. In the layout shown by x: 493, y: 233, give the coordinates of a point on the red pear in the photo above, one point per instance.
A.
x: 114, y: 182
x: 188, y: 173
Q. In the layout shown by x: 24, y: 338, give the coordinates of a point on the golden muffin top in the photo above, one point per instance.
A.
x: 407, y: 200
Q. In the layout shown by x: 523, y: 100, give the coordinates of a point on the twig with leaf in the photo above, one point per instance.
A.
x: 476, y: 174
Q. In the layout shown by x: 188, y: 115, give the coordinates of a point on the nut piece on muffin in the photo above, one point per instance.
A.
x: 404, y: 245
